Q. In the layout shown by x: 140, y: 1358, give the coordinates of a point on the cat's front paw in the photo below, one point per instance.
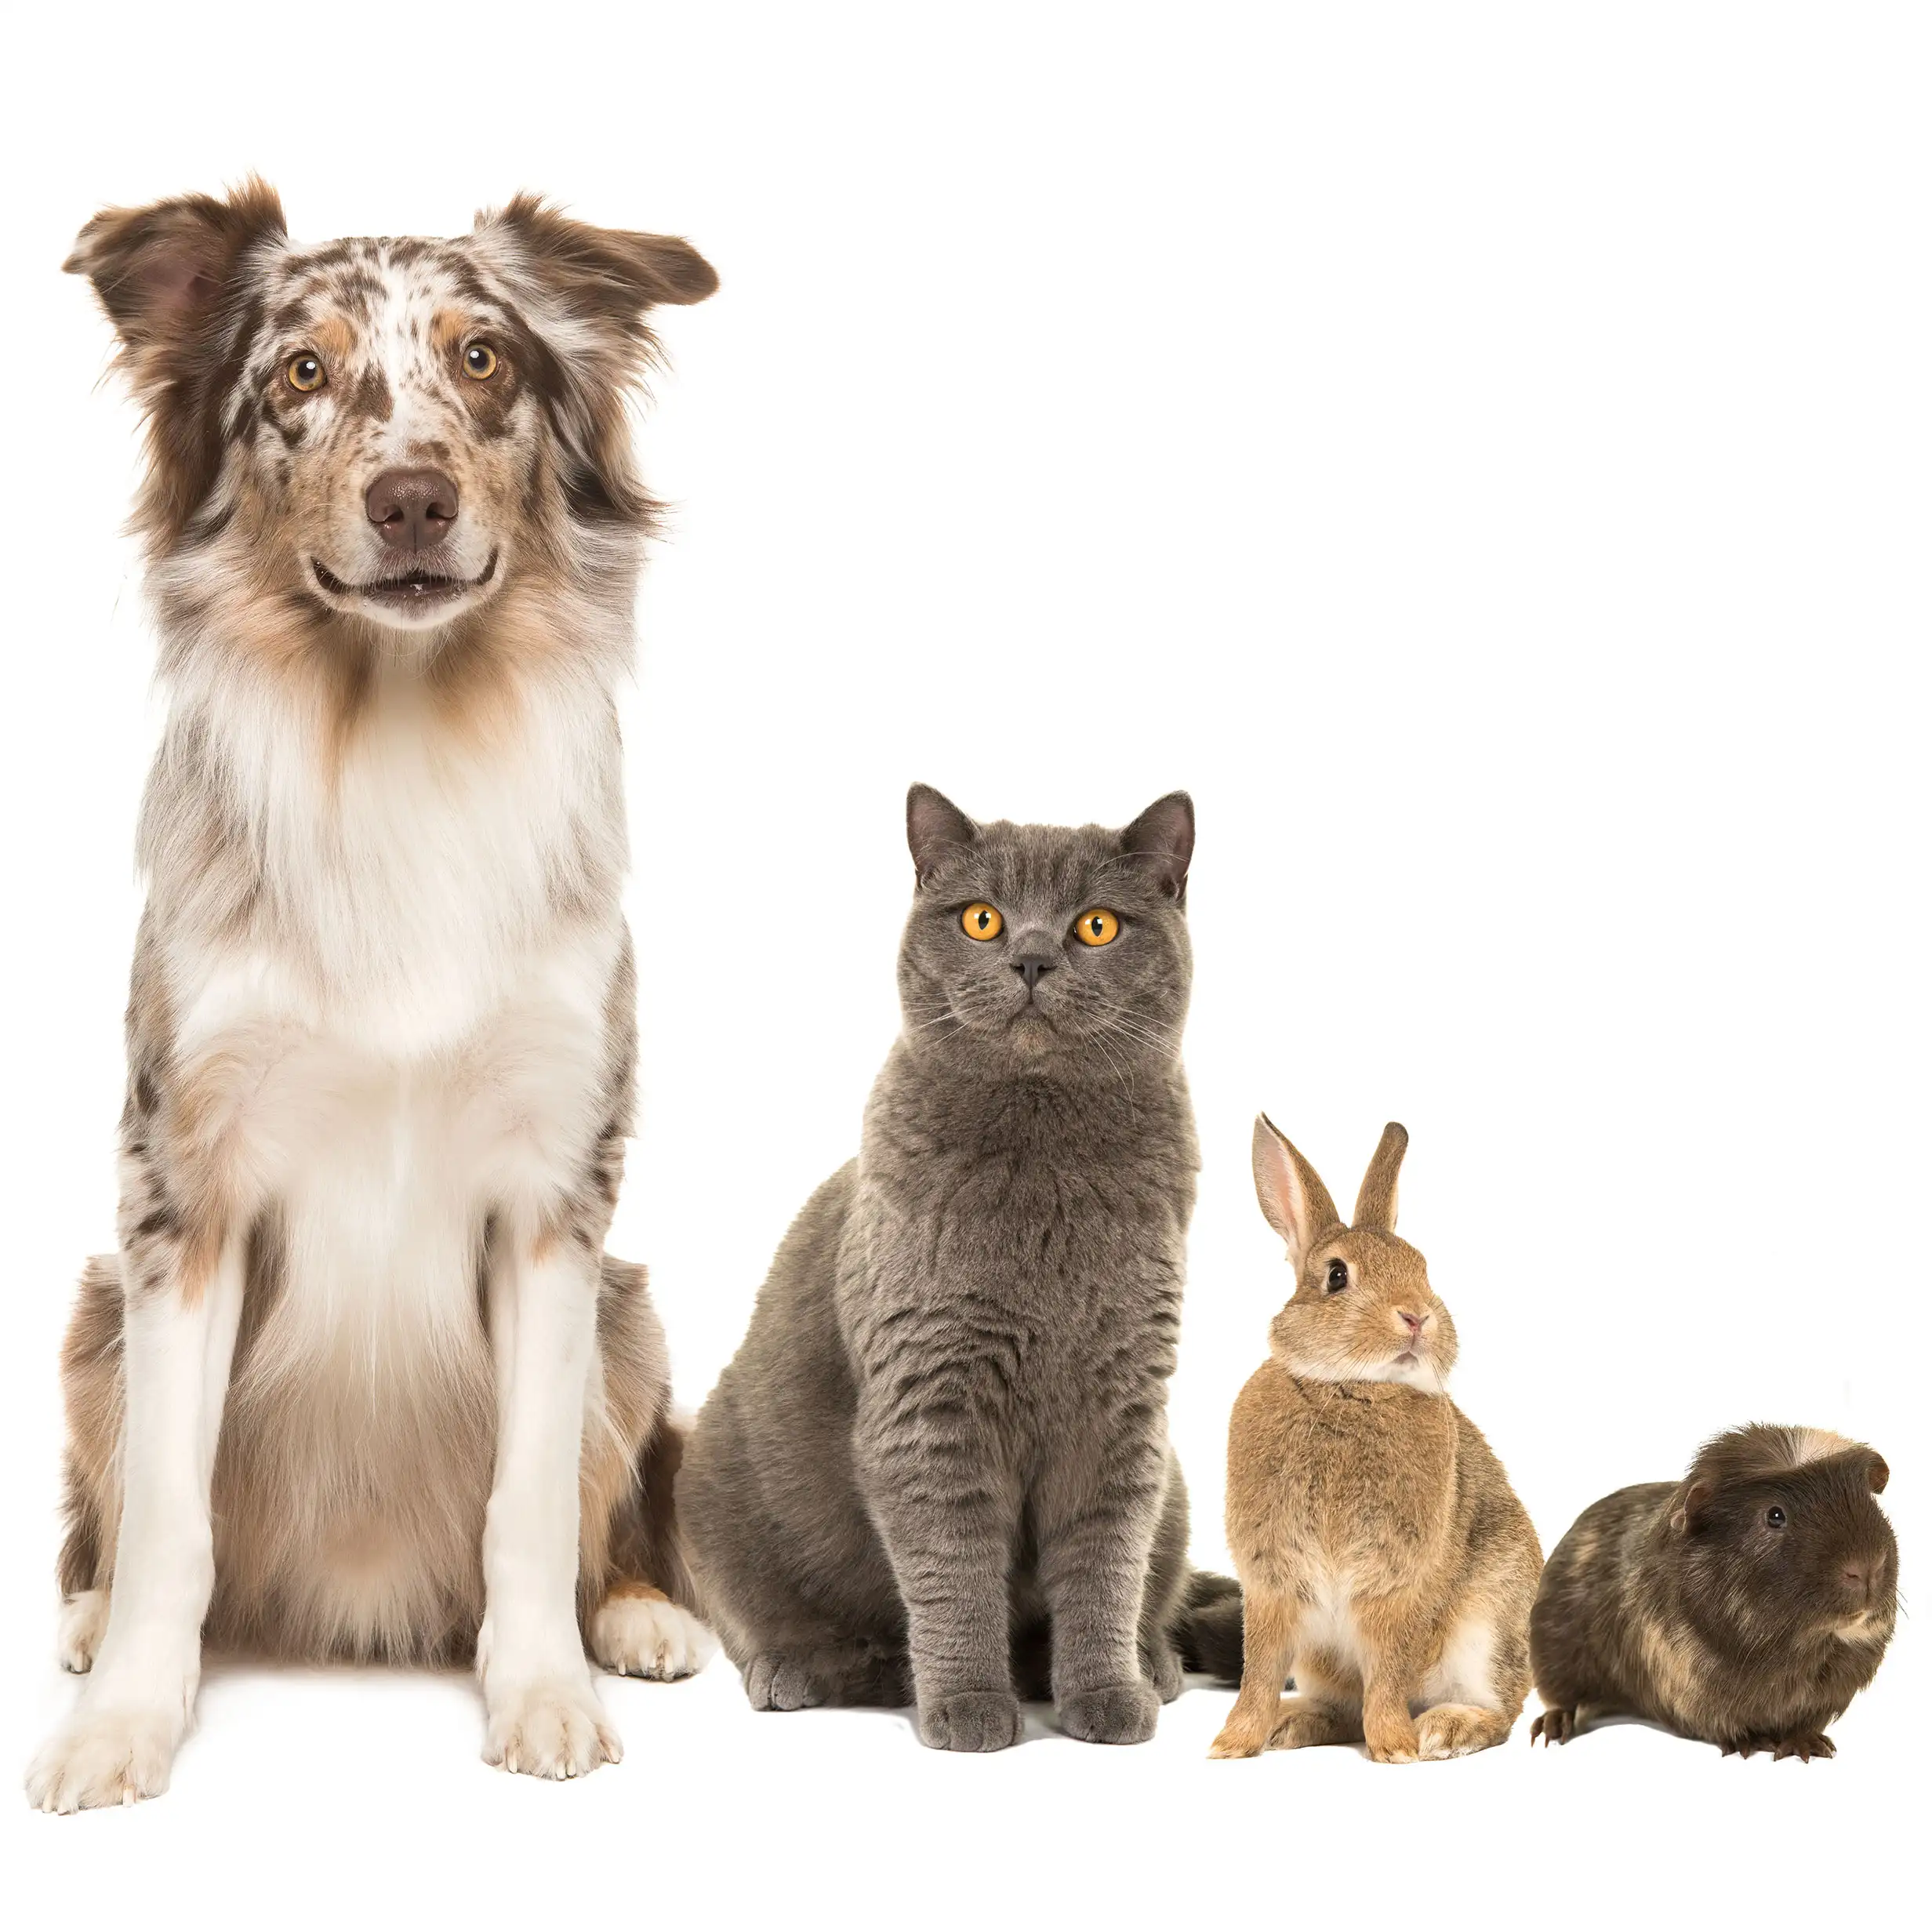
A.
x: 971, y: 1720
x: 1162, y: 1664
x: 552, y: 1728
x: 1116, y: 1713
x: 107, y: 1756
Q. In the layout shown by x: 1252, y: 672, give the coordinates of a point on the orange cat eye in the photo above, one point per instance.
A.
x: 1097, y: 927
x: 982, y: 922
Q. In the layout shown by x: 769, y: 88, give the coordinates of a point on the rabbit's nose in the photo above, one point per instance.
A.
x: 1413, y: 1322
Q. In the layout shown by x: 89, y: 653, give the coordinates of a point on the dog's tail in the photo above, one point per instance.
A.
x: 1209, y: 1632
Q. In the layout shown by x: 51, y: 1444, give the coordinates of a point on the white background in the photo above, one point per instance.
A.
x: 1482, y: 452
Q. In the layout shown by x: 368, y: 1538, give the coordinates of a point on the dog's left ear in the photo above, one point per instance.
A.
x: 606, y: 275
x: 162, y: 272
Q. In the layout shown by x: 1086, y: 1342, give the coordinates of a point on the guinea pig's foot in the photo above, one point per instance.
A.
x: 1804, y: 1746
x: 1557, y: 1725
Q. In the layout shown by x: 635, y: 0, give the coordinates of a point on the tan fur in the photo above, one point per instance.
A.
x: 1385, y: 1563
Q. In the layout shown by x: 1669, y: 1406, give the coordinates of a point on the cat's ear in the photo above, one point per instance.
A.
x: 934, y: 824
x: 1162, y: 839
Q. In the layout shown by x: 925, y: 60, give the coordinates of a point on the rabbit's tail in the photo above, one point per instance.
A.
x: 1209, y: 1630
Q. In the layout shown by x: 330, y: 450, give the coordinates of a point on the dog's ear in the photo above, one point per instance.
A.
x: 587, y: 293
x: 173, y: 278
x: 163, y: 272
x: 607, y: 275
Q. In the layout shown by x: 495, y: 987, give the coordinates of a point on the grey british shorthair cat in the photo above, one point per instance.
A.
x: 937, y: 1469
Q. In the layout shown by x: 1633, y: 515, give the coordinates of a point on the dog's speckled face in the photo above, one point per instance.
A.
x: 389, y: 432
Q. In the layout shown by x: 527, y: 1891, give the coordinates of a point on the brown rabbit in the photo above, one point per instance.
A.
x: 1386, y: 1562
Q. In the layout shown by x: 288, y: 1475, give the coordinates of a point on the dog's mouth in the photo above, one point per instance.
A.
x: 414, y: 589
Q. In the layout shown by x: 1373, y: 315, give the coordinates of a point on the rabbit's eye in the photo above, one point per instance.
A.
x: 1775, y: 1517
x: 1338, y: 1277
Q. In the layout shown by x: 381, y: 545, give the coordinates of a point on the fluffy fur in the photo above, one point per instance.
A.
x: 1746, y: 1605
x: 1384, y: 1561
x: 937, y: 1469
x: 359, y: 1380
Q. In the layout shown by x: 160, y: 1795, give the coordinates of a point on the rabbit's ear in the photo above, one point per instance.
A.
x: 934, y: 824
x: 1375, y: 1205
x: 1291, y: 1196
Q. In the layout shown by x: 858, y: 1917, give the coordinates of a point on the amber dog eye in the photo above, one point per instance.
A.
x: 982, y: 922
x: 1775, y: 1517
x: 479, y: 359
x: 1097, y: 927
x: 1338, y: 1277
x: 306, y: 373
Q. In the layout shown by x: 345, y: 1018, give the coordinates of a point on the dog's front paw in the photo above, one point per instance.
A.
x: 553, y: 1728
x: 83, y: 1623
x: 971, y: 1720
x: 106, y: 1756
x: 639, y: 1635
x: 1116, y: 1713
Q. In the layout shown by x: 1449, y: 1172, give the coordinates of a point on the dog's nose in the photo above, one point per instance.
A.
x: 1031, y: 966
x: 412, y: 509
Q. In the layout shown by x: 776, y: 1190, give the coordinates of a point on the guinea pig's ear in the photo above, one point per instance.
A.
x: 1692, y: 1501
x: 1162, y: 840
x: 1375, y: 1205
x: 1297, y: 1206
x: 933, y: 825
x: 1880, y: 1474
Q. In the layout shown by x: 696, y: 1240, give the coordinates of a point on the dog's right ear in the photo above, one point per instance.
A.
x: 1298, y: 1206
x: 162, y: 272
x: 934, y: 825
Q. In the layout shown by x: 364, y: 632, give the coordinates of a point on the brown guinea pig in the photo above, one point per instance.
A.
x: 1746, y: 1605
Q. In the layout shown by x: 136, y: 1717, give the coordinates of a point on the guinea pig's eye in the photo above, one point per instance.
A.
x: 479, y: 359
x: 1097, y: 927
x: 1337, y: 1278
x: 982, y: 922
x: 1775, y: 1517
x: 306, y: 373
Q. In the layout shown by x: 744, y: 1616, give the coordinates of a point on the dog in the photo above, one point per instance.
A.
x: 361, y: 1381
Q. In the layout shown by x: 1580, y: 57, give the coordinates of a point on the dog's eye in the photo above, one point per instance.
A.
x: 479, y: 359
x: 306, y: 373
x: 1097, y: 927
x: 1775, y: 1517
x: 1337, y: 1278
x: 982, y: 922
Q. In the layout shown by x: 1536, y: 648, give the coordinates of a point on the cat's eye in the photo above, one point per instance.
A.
x: 1097, y: 927
x: 1775, y: 1517
x: 982, y: 922
x: 306, y: 373
x: 479, y: 359
x: 1337, y: 1278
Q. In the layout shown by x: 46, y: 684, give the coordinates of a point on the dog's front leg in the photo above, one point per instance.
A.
x: 543, y: 1715
x: 179, y: 1330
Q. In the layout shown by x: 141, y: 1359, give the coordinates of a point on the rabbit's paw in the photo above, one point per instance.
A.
x: 971, y: 1720
x: 1116, y: 1713
x: 1391, y: 1743
x: 1303, y: 1722
x: 1557, y: 1725
x: 1455, y: 1731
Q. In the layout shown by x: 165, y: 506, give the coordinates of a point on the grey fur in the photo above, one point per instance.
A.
x: 938, y: 1467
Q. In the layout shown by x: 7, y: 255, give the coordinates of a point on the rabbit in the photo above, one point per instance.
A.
x: 1387, y: 1564
x: 1746, y: 1605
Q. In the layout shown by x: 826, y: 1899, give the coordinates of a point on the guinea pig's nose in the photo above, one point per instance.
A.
x: 1859, y: 1575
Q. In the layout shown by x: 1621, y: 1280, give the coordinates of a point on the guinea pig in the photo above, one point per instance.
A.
x: 1746, y: 1605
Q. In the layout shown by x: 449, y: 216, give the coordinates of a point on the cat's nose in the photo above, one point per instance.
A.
x: 1029, y: 966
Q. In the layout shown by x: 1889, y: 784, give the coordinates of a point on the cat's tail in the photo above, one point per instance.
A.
x: 1209, y: 1632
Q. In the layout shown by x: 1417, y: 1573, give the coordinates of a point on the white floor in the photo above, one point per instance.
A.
x: 357, y: 1798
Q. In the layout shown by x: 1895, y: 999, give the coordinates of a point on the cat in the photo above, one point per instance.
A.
x: 937, y: 1471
